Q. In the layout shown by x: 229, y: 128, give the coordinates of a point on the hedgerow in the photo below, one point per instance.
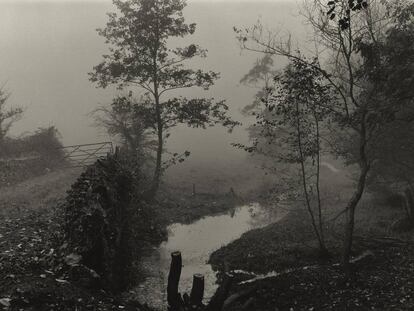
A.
x: 106, y: 223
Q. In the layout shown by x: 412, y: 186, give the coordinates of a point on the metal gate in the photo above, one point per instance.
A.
x: 86, y: 154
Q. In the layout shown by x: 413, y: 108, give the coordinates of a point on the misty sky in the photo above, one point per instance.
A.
x: 47, y: 49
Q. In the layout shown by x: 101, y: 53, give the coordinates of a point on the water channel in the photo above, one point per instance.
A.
x: 196, y: 241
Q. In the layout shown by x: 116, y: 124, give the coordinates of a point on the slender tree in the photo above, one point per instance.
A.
x: 290, y: 118
x: 139, y: 56
x: 342, y: 28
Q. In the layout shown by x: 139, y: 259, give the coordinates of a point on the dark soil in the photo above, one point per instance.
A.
x: 33, y: 275
x: 380, y: 282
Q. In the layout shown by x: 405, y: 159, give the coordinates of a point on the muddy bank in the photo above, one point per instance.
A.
x: 287, y: 244
x: 304, y: 282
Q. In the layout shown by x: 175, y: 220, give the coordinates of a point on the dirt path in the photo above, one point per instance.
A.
x: 38, y: 192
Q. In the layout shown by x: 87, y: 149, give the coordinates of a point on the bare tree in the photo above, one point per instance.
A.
x: 8, y: 116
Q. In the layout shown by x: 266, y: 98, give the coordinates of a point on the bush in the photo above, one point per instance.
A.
x: 30, y: 156
x: 107, y: 223
x: 43, y: 143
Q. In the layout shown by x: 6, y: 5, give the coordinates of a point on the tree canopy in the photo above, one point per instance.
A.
x: 140, y: 56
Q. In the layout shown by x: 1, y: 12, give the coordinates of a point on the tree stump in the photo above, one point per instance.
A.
x: 173, y: 297
x: 197, y: 291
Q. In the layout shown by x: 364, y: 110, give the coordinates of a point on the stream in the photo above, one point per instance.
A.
x: 196, y: 241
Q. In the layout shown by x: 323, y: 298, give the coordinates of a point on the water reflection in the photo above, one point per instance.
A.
x: 196, y: 242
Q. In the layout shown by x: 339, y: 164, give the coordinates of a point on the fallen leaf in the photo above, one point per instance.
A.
x: 5, y: 302
x: 73, y: 259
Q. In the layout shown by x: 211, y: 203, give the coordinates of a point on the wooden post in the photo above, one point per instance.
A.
x: 197, y: 291
x: 173, y: 296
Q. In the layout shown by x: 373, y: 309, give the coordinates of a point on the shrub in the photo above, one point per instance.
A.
x: 30, y: 156
x: 43, y: 143
x: 106, y: 222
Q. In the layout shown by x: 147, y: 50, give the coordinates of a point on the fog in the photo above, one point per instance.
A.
x: 318, y: 215
x: 48, y: 48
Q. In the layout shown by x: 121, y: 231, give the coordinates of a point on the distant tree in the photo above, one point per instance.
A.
x: 128, y: 121
x: 139, y: 56
x: 260, y: 76
x: 8, y: 116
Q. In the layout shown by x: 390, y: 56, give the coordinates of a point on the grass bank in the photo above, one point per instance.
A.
x: 178, y: 207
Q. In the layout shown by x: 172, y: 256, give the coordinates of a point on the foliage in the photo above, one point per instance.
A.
x: 140, y: 56
x: 7, y: 116
x: 342, y: 10
x: 44, y: 142
x: 128, y: 120
x: 344, y: 28
x: 292, y: 116
x: 29, y: 156
x: 301, y: 96
x: 389, y: 65
x: 261, y: 77
x: 106, y: 223
x: 36, y: 274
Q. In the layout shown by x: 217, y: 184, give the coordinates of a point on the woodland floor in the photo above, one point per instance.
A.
x: 32, y: 278
x: 30, y: 271
x: 382, y: 281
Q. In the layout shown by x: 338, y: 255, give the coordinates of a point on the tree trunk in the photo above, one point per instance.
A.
x: 322, y: 248
x: 158, y: 162
x: 318, y: 192
x: 350, y: 221
x: 157, y: 171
